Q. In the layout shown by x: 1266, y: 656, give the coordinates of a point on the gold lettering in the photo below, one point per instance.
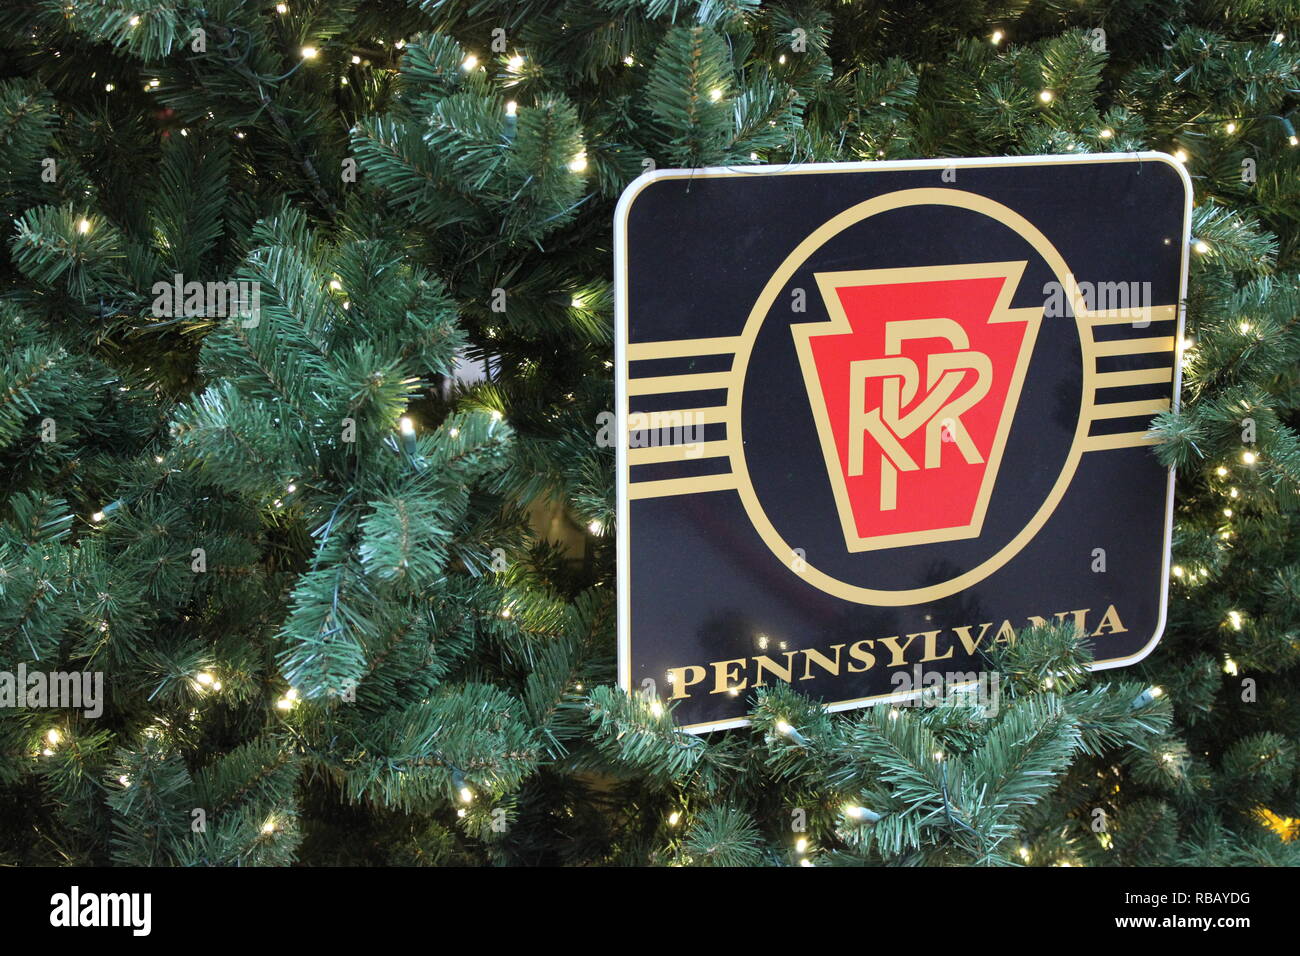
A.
x: 684, y: 677
x: 931, y: 646
x: 784, y: 673
x: 825, y: 663
x: 963, y: 633
x: 1109, y: 619
x: 858, y: 654
x: 896, y: 653
x: 722, y: 676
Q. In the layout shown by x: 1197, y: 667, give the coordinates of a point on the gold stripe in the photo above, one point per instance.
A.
x: 681, y: 486
x: 1130, y: 409
x: 1157, y: 313
x: 1124, y: 440
x: 661, y: 453
x: 1137, y: 376
x: 1134, y: 346
x: 680, y: 348
x: 677, y: 418
x: 678, y: 383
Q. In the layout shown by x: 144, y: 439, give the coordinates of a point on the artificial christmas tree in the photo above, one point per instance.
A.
x: 301, y: 555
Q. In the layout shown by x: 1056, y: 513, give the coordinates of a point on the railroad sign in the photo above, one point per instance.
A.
x: 875, y: 417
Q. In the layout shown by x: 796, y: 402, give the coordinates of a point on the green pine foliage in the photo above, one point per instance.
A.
x: 328, y: 637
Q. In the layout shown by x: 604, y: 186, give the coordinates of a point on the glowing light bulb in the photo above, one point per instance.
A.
x: 53, y: 736
x: 578, y: 163
x: 97, y: 516
x: 309, y: 52
x: 715, y: 94
x: 1220, y: 471
x: 516, y: 63
x: 997, y: 37
x: 1234, y: 617
x: 83, y: 226
x: 1248, y: 457
x: 1230, y: 128
x: 281, y: 8
x: 674, y: 818
x: 469, y: 63
x: 466, y: 795
x: 1180, y: 155
x: 1046, y: 96
x: 596, y: 527
x: 1107, y: 134
x: 1201, y: 246
x: 1178, y: 572
x: 512, y: 108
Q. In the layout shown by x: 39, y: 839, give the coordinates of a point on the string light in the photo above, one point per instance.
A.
x: 83, y: 226
x: 801, y: 845
x: 1230, y: 128
x: 512, y: 108
x: 1180, y: 155
x: 1107, y: 134
x: 356, y: 60
x: 1230, y: 667
x: 1221, y: 471
x: 309, y: 52
x: 1178, y: 572
x: 109, y: 87
x: 1046, y: 96
x: 53, y: 736
x: 1234, y: 617
x: 715, y: 94
x: 997, y: 37
x: 1201, y: 246
x: 515, y: 63
x: 466, y: 795
x: 861, y: 814
x: 629, y: 60
x: 578, y: 163
x: 1146, y: 697
x: 282, y: 8
x: 1248, y: 457
x: 97, y: 517
x: 674, y: 818
x: 596, y: 527
x: 469, y: 63
x: 407, y: 428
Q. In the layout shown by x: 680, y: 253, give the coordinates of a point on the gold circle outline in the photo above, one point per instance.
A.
x: 819, y: 237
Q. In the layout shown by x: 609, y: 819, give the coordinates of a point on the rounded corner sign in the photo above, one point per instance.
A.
x: 874, y: 418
